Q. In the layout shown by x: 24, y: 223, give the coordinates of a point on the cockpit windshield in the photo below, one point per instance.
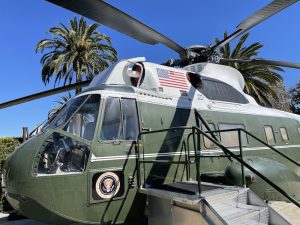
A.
x: 78, y: 116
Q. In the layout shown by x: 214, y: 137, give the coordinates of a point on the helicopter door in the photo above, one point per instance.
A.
x: 119, y: 129
x: 120, y: 121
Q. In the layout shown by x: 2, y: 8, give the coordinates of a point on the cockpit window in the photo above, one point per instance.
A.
x: 130, y: 119
x: 111, y: 126
x: 83, y: 122
x: 65, y: 113
x: 78, y: 116
x: 61, y: 154
x: 120, y: 121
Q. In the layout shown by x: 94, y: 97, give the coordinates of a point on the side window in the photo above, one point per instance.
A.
x: 120, y: 121
x: 270, y: 135
x: 231, y: 138
x: 111, y: 126
x: 83, y: 122
x: 130, y: 119
x: 284, y: 135
x: 207, y: 142
x: 214, y: 89
x: 61, y: 154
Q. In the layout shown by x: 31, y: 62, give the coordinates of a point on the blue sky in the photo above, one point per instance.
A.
x: 24, y: 23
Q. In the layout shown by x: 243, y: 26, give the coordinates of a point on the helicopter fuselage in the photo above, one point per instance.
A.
x: 82, y: 168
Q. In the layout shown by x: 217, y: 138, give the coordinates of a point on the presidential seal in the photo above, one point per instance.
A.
x: 107, y: 185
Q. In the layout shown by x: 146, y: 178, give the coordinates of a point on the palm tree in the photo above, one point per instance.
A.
x: 63, y: 100
x: 258, y: 78
x: 79, y: 50
x: 295, y: 100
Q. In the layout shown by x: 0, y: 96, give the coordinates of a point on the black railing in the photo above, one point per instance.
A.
x: 239, y: 130
x: 197, y: 150
x: 198, y: 117
x: 241, y: 161
x: 187, y: 161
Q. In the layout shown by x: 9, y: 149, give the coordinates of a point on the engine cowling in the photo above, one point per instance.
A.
x: 278, y: 173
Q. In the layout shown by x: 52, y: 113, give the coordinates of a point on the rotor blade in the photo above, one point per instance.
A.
x: 112, y: 17
x: 264, y: 62
x: 258, y: 17
x: 43, y: 94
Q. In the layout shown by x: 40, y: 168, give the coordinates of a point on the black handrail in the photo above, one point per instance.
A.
x: 259, y: 140
x: 225, y: 150
x: 281, y: 191
x: 203, y: 121
x: 170, y: 162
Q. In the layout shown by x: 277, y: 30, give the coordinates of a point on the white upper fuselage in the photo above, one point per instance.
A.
x: 152, y: 89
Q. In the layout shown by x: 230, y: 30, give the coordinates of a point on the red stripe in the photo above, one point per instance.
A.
x: 172, y: 77
x: 173, y: 80
x: 176, y: 75
x: 174, y: 84
x: 181, y: 85
x: 175, y: 72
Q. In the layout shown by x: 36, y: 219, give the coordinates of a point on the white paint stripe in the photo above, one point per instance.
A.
x: 170, y: 154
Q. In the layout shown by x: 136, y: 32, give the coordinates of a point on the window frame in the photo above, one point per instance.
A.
x: 55, y: 120
x: 75, y: 139
x: 61, y: 126
x: 205, y: 138
x: 272, y: 133
x: 228, y: 91
x: 122, y: 119
x: 243, y: 127
x: 287, y: 135
x: 97, y: 118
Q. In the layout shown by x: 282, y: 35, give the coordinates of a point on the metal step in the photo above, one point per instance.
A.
x: 225, y: 196
x: 242, y: 207
x: 253, y: 223
x: 218, y: 205
x: 233, y: 207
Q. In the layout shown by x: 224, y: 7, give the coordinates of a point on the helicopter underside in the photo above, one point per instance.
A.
x: 32, y: 209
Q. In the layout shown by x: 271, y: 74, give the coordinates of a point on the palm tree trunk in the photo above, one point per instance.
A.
x: 78, y: 119
x: 78, y: 79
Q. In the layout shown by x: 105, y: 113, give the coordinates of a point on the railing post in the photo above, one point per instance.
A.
x: 197, y: 159
x: 144, y: 167
x: 187, y: 161
x: 137, y: 150
x: 241, y: 155
x: 189, y: 154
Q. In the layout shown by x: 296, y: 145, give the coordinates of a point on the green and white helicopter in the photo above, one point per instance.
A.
x: 141, y: 124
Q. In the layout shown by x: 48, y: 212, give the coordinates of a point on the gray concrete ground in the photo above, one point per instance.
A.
x: 287, y: 210
x: 3, y: 221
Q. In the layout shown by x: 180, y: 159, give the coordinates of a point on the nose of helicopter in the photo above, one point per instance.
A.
x: 17, y: 171
x: 18, y: 181
x: 24, y: 190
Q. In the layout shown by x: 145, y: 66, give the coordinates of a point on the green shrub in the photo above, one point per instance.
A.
x: 7, y: 145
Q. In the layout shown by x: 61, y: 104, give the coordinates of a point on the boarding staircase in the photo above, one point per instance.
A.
x: 216, y: 205
x: 193, y: 202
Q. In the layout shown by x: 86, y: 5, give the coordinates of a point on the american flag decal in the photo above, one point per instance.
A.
x: 172, y: 79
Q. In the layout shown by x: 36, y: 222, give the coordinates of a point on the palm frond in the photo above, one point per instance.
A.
x: 258, y: 78
x: 78, y: 51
